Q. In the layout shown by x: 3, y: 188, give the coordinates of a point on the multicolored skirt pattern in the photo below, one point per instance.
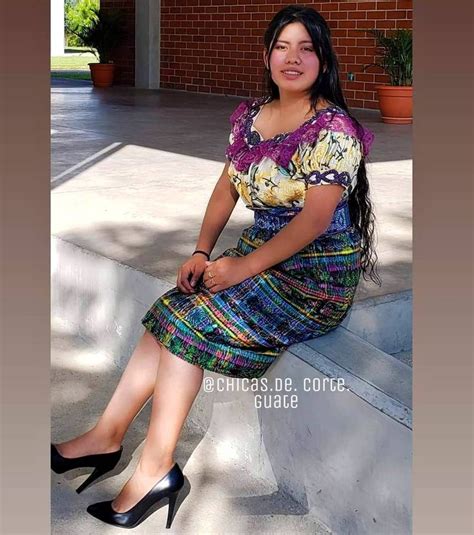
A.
x: 240, y: 331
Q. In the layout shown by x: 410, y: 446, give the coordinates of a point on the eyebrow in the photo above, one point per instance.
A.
x: 287, y: 42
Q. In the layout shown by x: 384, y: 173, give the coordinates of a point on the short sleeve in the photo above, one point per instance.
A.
x: 334, y: 158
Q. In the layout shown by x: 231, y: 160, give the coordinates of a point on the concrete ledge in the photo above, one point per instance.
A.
x: 374, y: 376
x: 345, y: 456
x: 101, y: 299
x: 385, y: 321
x: 343, y: 460
x: 104, y: 300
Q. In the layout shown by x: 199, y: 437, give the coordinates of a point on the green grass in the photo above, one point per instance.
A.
x: 72, y: 63
x: 77, y: 75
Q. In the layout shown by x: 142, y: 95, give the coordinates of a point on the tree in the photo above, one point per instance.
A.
x: 78, y: 15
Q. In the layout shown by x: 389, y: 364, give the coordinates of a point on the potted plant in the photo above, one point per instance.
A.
x: 102, y: 36
x: 395, y: 99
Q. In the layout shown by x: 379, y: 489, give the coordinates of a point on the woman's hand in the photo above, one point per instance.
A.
x: 190, y: 272
x: 225, y: 272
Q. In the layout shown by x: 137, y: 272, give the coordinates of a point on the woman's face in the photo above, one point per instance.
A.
x: 294, y: 65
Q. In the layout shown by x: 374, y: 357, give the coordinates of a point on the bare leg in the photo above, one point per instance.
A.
x: 134, y: 389
x: 177, y: 385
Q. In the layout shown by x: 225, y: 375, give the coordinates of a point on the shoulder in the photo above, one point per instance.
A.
x: 342, y: 128
x: 335, y: 119
x: 242, y: 111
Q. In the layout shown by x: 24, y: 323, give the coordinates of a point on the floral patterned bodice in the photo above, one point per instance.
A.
x: 276, y: 172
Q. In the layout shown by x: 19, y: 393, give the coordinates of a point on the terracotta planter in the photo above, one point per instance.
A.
x: 396, y: 103
x: 102, y: 74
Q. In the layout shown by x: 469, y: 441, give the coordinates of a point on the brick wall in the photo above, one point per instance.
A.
x: 214, y: 46
x: 124, y: 56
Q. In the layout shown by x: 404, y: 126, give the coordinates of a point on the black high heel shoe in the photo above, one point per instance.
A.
x: 102, y: 463
x: 167, y: 487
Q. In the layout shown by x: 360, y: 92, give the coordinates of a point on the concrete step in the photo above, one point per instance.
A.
x: 405, y: 356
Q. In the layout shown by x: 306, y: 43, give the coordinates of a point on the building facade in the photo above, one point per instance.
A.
x: 215, y: 46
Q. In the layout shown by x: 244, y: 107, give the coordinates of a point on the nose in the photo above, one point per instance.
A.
x: 293, y: 57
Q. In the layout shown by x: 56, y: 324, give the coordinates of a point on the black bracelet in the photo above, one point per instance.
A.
x: 203, y: 252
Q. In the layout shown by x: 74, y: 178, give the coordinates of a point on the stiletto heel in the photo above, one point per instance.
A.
x: 168, y: 486
x: 98, y: 471
x: 171, y: 504
x: 101, y: 462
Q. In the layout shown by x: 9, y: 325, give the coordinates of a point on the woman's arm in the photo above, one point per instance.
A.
x: 220, y: 207
x: 305, y: 227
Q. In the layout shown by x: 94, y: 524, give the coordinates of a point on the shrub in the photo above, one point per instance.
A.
x: 104, y: 33
x: 395, y: 55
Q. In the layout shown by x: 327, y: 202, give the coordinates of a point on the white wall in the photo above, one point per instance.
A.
x: 57, y: 27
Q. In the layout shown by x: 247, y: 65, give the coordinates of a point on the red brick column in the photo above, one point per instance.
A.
x: 124, y: 56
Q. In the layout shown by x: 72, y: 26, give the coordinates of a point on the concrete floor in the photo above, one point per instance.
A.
x: 133, y: 170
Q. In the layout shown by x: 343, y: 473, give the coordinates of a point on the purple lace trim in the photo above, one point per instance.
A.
x: 247, y: 147
x: 316, y: 177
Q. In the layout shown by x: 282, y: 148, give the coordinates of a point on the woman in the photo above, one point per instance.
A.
x: 303, y: 258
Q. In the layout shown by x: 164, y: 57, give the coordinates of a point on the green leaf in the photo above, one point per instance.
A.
x: 99, y: 30
x: 395, y: 55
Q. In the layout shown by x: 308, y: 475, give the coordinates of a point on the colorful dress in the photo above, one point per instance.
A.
x: 241, y: 330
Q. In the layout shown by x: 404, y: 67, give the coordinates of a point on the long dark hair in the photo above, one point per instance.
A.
x: 328, y: 86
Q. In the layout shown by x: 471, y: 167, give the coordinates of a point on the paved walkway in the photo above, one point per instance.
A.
x: 132, y: 171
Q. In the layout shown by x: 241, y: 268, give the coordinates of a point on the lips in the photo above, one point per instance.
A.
x: 291, y: 72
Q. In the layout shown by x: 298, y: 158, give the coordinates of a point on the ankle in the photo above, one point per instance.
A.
x: 109, y: 436
x: 155, y: 467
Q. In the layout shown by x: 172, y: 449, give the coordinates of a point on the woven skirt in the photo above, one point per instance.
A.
x: 240, y: 331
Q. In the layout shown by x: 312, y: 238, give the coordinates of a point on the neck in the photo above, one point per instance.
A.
x: 291, y: 103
